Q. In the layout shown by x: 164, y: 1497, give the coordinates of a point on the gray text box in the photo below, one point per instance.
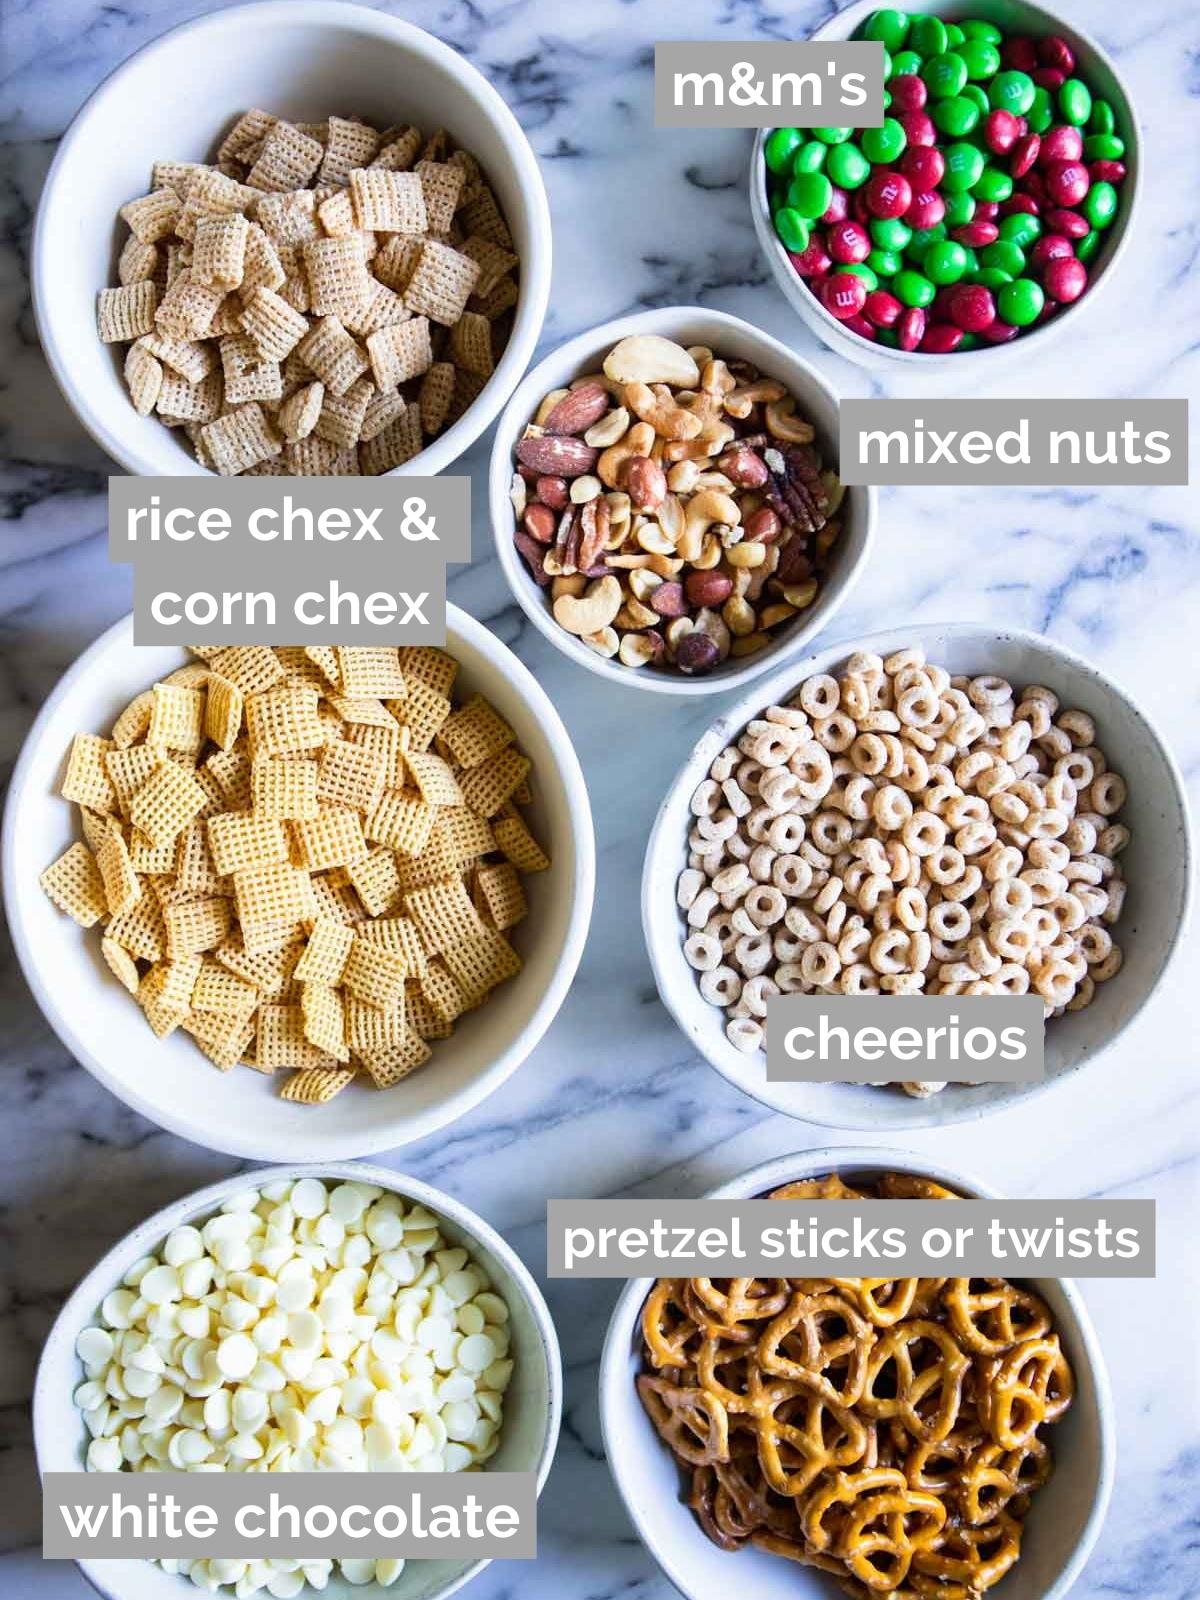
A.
x: 290, y: 560
x: 218, y: 1515
x: 1014, y: 441
x: 732, y: 84
x: 934, y: 1039
x: 850, y: 1238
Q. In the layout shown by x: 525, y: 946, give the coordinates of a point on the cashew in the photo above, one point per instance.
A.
x: 667, y: 567
x: 708, y: 444
x: 611, y: 427
x: 681, y: 479
x: 716, y: 379
x: 642, y: 584
x: 654, y: 540
x: 603, y: 641
x: 714, y: 480
x: 671, y: 518
x: 772, y: 616
x: 700, y: 354
x: 573, y: 585
x: 637, y: 442
x: 649, y: 358
x: 592, y: 611
x: 657, y: 407
x: 710, y: 555
x: 783, y: 424
x: 739, y: 402
x: 634, y: 616
x: 702, y: 510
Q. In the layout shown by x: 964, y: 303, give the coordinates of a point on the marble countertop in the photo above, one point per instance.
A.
x: 613, y: 1101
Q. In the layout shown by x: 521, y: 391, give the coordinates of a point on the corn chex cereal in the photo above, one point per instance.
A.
x: 287, y: 873
x: 275, y: 305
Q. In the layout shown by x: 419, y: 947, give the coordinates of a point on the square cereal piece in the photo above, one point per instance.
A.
x: 315, y: 1086
x: 442, y: 186
x: 493, y: 260
x: 486, y: 787
x: 349, y: 145
x: 162, y: 1018
x: 122, y: 890
x: 441, y: 284
x: 474, y: 732
x: 127, y: 313
x: 299, y: 413
x: 351, y: 775
x: 333, y: 838
x: 400, y: 935
x: 381, y: 413
x: 383, y: 309
x: 396, y: 262
x: 374, y: 974
x: 401, y: 821
x: 137, y: 263
x: 223, y: 711
x: 502, y: 894
x: 195, y: 869
x: 149, y: 859
x: 437, y: 389
x: 240, y: 840
x: 518, y: 844
x: 176, y: 718
x: 423, y: 711
x: 390, y: 742
x: 339, y: 426
x: 319, y: 458
x: 336, y: 215
x: 128, y: 770
x: 470, y: 344
x: 377, y: 883
x: 187, y: 309
x: 143, y: 378
x: 370, y: 670
x: 263, y: 267
x: 441, y: 989
x: 434, y: 779
x: 183, y: 401
x: 240, y: 439
x: 423, y: 1019
x: 324, y: 956
x: 425, y: 662
x: 189, y: 358
x: 224, y: 1039
x: 140, y: 931
x: 362, y: 709
x: 284, y: 722
x: 464, y: 836
x: 253, y: 668
x: 247, y: 376
x: 332, y: 354
x: 272, y: 893
x: 251, y: 128
x: 443, y: 914
x: 388, y: 202
x: 218, y: 989
x: 370, y: 1027
x: 282, y: 1046
x: 398, y: 154
x: 272, y: 324
x: 400, y: 351
x: 86, y: 780
x: 219, y: 251
x: 388, y: 1063
x: 336, y: 898
x: 230, y: 770
x: 480, y: 963
x: 165, y: 804
x: 324, y: 1019
x: 75, y: 884
x: 195, y: 925
x: 270, y: 971
x: 153, y: 216
x: 288, y: 219
x: 338, y: 280
x: 481, y: 215
x: 287, y: 161
x: 399, y: 442
x: 121, y: 964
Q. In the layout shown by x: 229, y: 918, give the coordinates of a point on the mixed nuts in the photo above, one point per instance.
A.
x: 674, y: 506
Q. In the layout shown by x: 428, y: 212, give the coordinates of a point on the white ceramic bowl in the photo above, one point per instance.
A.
x: 730, y: 338
x: 176, y: 97
x: 1157, y: 865
x: 1063, y: 1522
x: 241, y: 1112
x: 532, y: 1408
x: 1100, y: 72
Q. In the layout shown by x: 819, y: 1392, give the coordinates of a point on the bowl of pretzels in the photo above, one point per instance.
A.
x: 903, y: 1437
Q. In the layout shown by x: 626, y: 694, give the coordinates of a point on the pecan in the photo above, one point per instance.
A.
x: 593, y: 532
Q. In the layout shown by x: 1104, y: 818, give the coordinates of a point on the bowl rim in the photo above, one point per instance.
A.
x: 46, y: 1419
x: 579, y: 349
x: 530, y: 314
x: 862, y: 352
x: 614, y: 1354
x: 244, y: 1142
x: 935, y: 1111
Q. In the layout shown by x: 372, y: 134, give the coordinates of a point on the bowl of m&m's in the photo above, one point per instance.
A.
x: 986, y: 211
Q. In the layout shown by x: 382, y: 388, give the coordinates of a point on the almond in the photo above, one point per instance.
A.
x: 534, y: 557
x: 556, y: 455
x: 578, y: 409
